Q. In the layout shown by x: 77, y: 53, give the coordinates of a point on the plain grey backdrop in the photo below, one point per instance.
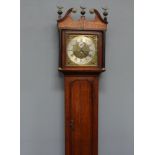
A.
x: 42, y: 98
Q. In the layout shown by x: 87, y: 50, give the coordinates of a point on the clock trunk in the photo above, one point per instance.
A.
x: 81, y: 108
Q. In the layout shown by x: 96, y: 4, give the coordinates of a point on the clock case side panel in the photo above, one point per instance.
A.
x: 60, y: 50
x: 101, y: 52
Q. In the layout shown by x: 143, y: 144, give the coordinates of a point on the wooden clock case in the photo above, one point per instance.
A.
x: 81, y: 86
x: 101, y: 63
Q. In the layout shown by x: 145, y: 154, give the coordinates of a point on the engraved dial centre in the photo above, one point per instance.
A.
x: 81, y: 50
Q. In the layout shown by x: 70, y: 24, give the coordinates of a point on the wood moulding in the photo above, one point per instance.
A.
x: 67, y: 22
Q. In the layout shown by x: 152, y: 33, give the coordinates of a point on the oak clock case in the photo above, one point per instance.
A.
x: 81, y: 60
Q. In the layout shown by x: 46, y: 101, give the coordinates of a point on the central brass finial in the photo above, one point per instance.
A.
x: 83, y: 10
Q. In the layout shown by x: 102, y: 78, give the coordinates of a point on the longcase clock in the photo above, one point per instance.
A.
x: 81, y: 60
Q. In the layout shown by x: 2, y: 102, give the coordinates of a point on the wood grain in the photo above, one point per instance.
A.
x: 67, y: 22
x: 81, y: 107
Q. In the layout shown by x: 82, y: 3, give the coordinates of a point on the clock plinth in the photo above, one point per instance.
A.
x: 81, y: 59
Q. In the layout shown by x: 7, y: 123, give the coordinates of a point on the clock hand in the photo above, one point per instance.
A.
x: 83, y: 52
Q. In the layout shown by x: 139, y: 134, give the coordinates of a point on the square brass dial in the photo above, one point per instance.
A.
x: 81, y: 50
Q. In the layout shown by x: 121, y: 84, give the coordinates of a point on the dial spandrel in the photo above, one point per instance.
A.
x: 81, y: 50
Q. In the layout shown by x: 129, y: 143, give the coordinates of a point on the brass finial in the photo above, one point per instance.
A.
x: 105, y: 14
x: 60, y: 12
x: 83, y: 10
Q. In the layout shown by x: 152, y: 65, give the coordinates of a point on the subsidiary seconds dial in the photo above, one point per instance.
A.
x: 81, y: 50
